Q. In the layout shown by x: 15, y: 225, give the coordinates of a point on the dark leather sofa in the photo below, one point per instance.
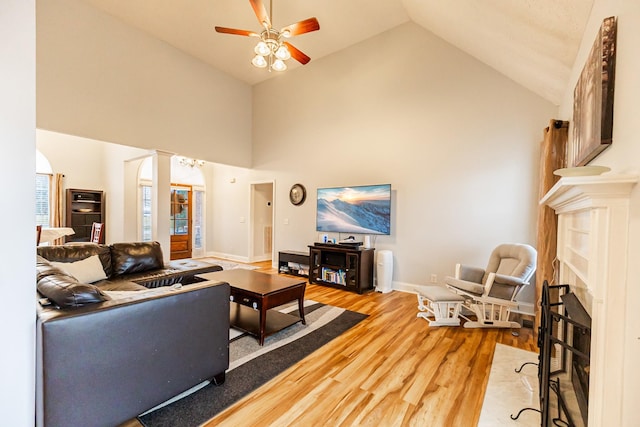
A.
x: 135, y: 262
x: 103, y: 360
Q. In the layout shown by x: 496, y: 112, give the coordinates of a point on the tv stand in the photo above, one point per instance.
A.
x: 341, y: 266
x: 294, y: 263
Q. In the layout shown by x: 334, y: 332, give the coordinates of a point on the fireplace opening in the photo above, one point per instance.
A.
x: 564, y: 340
x: 580, y: 341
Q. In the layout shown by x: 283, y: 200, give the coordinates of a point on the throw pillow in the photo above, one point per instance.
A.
x: 87, y: 270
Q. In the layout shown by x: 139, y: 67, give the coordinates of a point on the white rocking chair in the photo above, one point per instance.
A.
x: 490, y: 293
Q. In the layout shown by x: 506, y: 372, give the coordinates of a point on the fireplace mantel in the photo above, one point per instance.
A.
x: 593, y: 229
x: 582, y: 192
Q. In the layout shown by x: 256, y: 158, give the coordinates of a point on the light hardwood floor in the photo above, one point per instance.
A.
x: 389, y: 370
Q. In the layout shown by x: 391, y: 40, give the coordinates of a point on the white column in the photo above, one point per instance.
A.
x: 161, y: 200
x: 17, y: 172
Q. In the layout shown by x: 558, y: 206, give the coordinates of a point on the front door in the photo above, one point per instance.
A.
x: 180, y: 222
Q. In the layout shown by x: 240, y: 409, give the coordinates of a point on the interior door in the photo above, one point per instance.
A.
x: 180, y: 222
x: 261, y: 243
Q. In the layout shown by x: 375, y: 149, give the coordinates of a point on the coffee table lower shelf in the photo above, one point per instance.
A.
x: 248, y: 320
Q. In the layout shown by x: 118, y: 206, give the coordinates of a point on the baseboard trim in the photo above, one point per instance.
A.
x: 229, y: 257
x: 402, y: 287
x: 405, y: 287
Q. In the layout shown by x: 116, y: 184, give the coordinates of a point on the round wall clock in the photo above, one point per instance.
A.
x: 297, y: 194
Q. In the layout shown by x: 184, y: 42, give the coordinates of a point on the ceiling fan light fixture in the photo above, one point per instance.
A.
x: 279, y: 65
x: 283, y: 53
x: 271, y: 51
x: 262, y: 49
x: 259, y: 61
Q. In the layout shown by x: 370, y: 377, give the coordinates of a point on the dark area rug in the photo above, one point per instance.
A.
x: 200, y: 406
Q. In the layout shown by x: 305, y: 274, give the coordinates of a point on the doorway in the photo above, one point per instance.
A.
x: 189, y: 181
x: 180, y: 222
x: 262, y: 230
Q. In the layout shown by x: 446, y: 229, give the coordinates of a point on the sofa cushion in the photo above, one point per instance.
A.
x: 135, y: 257
x: 71, y: 253
x: 119, y: 285
x: 86, y: 270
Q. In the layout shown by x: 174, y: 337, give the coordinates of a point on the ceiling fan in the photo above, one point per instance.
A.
x: 272, y: 50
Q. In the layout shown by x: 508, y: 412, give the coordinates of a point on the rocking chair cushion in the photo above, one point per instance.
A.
x: 474, y: 288
x: 471, y: 274
x: 439, y: 294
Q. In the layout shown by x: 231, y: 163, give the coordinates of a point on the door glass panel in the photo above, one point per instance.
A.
x: 182, y: 226
x: 179, y: 221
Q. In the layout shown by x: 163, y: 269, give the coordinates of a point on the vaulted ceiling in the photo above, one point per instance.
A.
x: 533, y: 42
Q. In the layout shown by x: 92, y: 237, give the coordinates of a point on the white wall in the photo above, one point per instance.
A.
x: 458, y: 141
x: 101, y: 79
x: 94, y: 165
x: 228, y: 200
x: 17, y: 169
x: 623, y: 157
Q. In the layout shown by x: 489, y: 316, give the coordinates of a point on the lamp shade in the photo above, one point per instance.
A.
x: 262, y: 49
x: 283, y: 53
x: 259, y: 61
x: 279, y: 65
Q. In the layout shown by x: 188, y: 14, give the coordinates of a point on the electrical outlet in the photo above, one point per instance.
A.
x: 434, y: 278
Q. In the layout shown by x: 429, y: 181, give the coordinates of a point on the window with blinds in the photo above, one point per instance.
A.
x: 43, y: 199
x: 146, y: 213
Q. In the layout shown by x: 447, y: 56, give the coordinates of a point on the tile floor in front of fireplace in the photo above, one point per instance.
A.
x: 508, y: 391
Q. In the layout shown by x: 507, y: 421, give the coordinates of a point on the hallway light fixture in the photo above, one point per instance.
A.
x: 186, y: 161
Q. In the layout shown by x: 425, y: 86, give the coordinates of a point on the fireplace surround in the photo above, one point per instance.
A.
x: 593, y: 228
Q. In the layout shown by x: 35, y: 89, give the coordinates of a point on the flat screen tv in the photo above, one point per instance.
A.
x: 364, y: 209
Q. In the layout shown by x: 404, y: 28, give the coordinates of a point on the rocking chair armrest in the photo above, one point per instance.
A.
x: 469, y: 273
x: 509, y: 280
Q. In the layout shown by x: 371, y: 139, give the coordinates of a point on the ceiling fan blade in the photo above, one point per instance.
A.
x: 301, y: 27
x: 236, y: 32
x: 261, y: 12
x: 297, y: 53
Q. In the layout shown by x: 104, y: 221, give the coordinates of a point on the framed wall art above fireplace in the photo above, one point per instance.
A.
x: 593, y: 98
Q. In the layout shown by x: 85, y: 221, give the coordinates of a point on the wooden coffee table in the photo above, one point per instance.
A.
x: 255, y: 294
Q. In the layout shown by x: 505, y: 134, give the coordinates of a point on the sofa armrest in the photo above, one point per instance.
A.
x: 111, y: 361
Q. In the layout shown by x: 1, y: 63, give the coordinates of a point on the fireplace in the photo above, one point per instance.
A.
x: 593, y: 260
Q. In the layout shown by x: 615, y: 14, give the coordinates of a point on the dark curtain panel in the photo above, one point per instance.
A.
x: 57, y: 200
x: 553, y: 152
